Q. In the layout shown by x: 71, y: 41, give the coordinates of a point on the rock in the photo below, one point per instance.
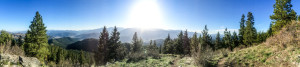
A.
x: 14, y: 60
x: 29, y: 61
x: 10, y: 58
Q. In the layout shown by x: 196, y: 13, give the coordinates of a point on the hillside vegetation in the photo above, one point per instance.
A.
x: 63, y: 42
x: 278, y: 46
x: 281, y: 50
x: 89, y: 45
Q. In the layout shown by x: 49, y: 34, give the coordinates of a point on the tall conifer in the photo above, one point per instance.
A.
x: 36, y: 39
x: 283, y: 14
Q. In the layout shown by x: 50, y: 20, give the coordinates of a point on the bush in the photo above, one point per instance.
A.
x: 153, y: 52
x: 204, y: 57
x: 137, y: 56
x: 121, y: 53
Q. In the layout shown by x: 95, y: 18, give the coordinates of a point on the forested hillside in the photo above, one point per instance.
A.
x: 132, y: 47
x: 281, y: 49
x: 85, y: 45
x: 62, y: 42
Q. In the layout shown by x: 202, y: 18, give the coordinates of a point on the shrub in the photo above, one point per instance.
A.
x: 204, y: 57
x: 136, y: 56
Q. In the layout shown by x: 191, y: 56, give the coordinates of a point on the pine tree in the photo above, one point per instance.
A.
x: 250, y: 31
x: 235, y: 40
x: 206, y: 40
x: 154, y: 45
x: 36, y: 39
x: 242, y: 29
x: 227, y: 39
x: 20, y: 41
x: 179, y: 42
x: 121, y: 52
x: 103, y: 51
x: 114, y: 43
x: 269, y: 32
x: 166, y: 45
x: 171, y: 46
x: 299, y: 18
x: 261, y: 36
x: 61, y: 55
x: 82, y: 58
x: 136, y: 44
x: 5, y: 36
x: 160, y: 49
x: 186, y: 43
x: 218, y: 42
x: 283, y: 14
x: 194, y: 43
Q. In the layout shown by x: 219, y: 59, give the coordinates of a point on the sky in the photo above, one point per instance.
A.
x: 193, y: 15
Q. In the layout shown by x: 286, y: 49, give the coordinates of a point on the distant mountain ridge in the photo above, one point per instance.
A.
x: 125, y: 33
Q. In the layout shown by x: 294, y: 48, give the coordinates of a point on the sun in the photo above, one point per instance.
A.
x: 145, y: 14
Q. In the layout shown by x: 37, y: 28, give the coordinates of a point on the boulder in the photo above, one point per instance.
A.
x: 10, y: 58
x: 15, y: 60
x: 29, y: 61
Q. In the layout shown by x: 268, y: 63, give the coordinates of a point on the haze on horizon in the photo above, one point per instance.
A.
x: 15, y: 15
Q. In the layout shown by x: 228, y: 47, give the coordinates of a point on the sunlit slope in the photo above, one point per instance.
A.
x: 280, y: 50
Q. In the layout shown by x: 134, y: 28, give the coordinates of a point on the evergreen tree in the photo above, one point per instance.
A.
x: 160, y: 49
x: 103, y: 51
x: 261, y: 37
x: 153, y: 50
x: 218, y: 42
x: 269, y: 32
x: 283, y: 14
x: 227, y: 39
x: 5, y: 37
x: 235, y: 40
x: 179, y: 44
x: 154, y: 45
x: 114, y: 43
x: 36, y: 39
x: 194, y: 43
x: 166, y: 45
x: 61, y: 55
x: 299, y: 18
x: 242, y: 29
x: 122, y: 51
x: 186, y: 43
x: 20, y: 41
x: 82, y: 58
x: 171, y: 46
x: 206, y: 40
x: 250, y: 31
x: 136, y: 44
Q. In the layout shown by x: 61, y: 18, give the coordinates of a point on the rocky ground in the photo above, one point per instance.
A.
x: 7, y: 60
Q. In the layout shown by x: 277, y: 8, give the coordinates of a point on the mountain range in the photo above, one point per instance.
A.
x: 125, y: 33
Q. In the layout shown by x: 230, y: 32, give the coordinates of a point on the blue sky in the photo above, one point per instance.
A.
x: 16, y: 15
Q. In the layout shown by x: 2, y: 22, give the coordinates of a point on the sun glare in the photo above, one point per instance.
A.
x: 145, y: 14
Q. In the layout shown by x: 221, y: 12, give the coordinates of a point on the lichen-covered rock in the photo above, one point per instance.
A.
x: 29, y: 61
x: 14, y: 60
x: 10, y: 58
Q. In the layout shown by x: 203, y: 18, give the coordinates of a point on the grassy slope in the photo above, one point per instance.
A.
x: 281, y: 50
x: 167, y: 60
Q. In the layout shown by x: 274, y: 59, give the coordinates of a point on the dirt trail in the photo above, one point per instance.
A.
x: 175, y: 61
x: 221, y: 63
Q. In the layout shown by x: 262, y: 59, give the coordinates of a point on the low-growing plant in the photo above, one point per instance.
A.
x: 204, y: 57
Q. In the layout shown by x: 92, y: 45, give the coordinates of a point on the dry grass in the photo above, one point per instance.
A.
x: 280, y: 50
x: 8, y: 48
x: 289, y: 35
